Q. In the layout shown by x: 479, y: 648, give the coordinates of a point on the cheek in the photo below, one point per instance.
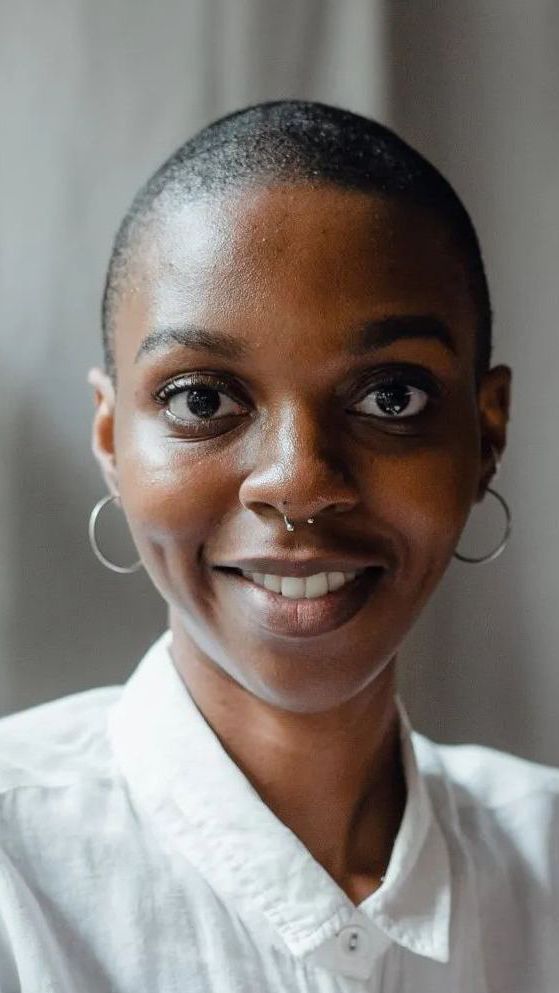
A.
x: 427, y: 503
x: 171, y: 492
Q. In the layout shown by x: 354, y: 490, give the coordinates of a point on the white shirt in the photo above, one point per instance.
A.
x: 135, y: 857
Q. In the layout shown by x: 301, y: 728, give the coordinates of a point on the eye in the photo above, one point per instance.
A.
x: 198, y: 402
x: 394, y: 400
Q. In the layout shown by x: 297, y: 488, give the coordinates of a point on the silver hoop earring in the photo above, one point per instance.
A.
x: 500, y: 548
x: 93, y: 540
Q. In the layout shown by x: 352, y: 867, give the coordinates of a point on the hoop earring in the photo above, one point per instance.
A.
x: 500, y: 548
x: 93, y: 540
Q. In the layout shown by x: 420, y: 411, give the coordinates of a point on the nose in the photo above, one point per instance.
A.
x: 300, y: 471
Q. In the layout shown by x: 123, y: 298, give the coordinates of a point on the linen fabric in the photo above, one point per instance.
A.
x: 136, y: 857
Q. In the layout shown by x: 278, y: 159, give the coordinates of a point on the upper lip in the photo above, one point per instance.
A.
x: 302, y: 565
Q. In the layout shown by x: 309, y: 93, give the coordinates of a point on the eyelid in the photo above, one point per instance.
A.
x: 186, y: 381
x: 392, y: 374
x: 402, y: 374
x: 189, y: 381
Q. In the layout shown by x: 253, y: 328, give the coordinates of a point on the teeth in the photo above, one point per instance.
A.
x: 296, y: 588
x: 317, y: 585
x: 292, y: 587
x: 337, y: 579
x: 272, y: 583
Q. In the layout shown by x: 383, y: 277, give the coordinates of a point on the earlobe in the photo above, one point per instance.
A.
x: 102, y: 436
x: 491, y: 463
x: 494, y: 412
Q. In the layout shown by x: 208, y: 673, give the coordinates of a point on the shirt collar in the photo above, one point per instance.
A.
x: 180, y: 776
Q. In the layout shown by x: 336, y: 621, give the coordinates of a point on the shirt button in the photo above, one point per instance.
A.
x: 353, y: 939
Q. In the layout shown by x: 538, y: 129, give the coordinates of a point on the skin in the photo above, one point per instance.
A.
x: 290, y: 271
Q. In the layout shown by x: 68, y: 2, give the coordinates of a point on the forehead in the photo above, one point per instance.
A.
x: 293, y: 259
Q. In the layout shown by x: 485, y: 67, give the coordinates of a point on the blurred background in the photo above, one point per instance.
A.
x: 94, y: 94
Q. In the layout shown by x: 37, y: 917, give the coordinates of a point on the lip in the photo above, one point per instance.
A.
x: 302, y: 618
x: 301, y: 566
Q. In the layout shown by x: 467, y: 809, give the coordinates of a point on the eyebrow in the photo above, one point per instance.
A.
x: 366, y: 337
x: 199, y: 339
x: 380, y: 333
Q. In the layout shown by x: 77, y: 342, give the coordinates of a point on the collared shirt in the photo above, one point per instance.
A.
x: 135, y: 857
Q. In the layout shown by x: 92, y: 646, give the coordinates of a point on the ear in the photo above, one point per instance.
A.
x: 102, y: 437
x: 494, y: 394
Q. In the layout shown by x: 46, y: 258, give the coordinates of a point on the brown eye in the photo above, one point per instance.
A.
x: 201, y: 403
x: 394, y: 400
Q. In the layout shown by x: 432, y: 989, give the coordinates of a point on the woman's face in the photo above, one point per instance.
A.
x: 331, y: 339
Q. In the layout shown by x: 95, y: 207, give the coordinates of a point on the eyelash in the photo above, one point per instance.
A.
x: 183, y: 383
x: 405, y: 376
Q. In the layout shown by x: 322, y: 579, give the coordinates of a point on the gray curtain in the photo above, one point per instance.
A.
x: 93, y: 96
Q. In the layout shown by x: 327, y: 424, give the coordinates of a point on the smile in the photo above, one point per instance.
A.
x: 298, y: 588
x: 298, y: 606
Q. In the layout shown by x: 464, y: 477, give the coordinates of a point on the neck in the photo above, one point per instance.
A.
x: 334, y: 778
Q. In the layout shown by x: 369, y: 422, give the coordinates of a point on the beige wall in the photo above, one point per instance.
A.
x: 93, y: 96
x: 480, y: 93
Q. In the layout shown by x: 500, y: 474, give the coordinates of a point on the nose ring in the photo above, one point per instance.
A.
x: 290, y: 524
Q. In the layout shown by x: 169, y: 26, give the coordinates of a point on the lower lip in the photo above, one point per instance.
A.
x: 302, y: 618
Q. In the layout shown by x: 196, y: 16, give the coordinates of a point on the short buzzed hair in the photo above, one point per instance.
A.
x: 296, y: 141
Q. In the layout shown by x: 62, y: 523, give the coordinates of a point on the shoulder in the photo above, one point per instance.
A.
x: 499, y: 811
x: 489, y: 778
x: 55, y: 743
x: 504, y: 809
x: 500, y: 816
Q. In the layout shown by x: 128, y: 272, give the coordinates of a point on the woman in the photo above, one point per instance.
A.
x: 297, y: 414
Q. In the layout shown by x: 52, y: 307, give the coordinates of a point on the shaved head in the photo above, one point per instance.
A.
x: 293, y: 141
